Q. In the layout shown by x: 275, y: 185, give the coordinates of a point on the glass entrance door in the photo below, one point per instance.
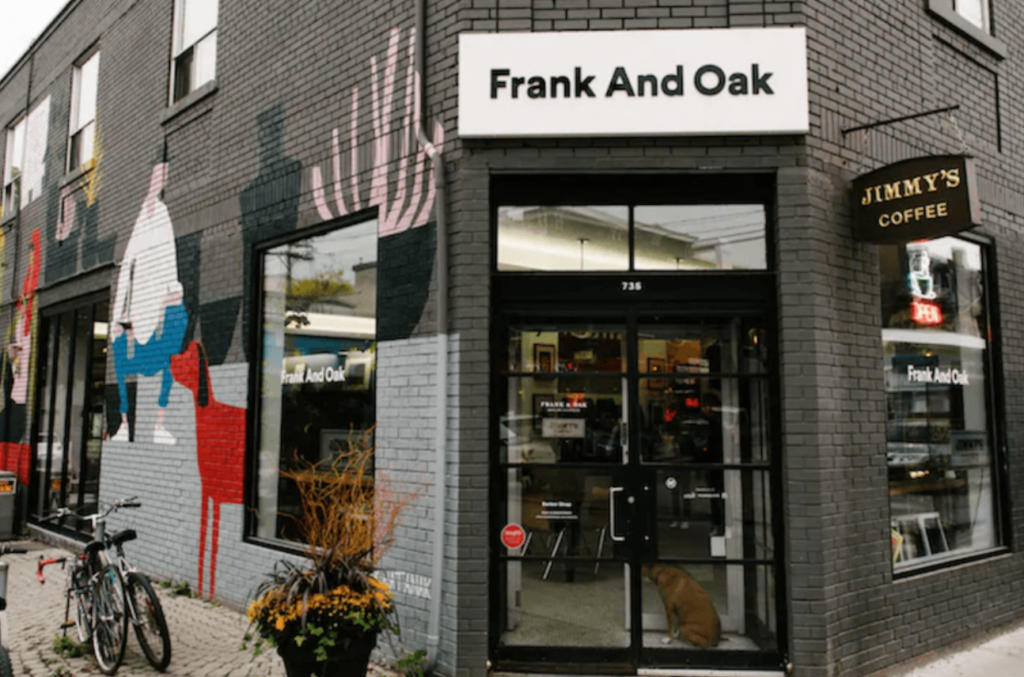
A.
x: 70, y: 420
x: 636, y: 520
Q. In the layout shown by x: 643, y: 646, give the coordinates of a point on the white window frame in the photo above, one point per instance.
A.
x: 82, y: 124
x: 12, y: 179
x: 965, y: 9
x: 193, y: 62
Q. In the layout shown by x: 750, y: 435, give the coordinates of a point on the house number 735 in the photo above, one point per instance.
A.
x: 632, y: 285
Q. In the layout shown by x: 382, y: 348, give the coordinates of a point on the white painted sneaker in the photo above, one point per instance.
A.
x: 162, y: 436
x: 122, y: 434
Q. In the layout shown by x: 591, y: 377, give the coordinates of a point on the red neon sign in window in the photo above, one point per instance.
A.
x: 925, y: 313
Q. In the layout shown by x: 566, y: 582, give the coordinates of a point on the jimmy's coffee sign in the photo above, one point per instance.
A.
x: 917, y: 199
x: 633, y: 83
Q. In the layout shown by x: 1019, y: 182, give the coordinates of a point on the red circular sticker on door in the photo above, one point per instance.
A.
x: 513, y: 536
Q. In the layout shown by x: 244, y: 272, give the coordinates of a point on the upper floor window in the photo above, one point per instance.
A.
x: 82, y: 130
x: 13, y: 166
x: 975, y: 11
x: 195, y: 45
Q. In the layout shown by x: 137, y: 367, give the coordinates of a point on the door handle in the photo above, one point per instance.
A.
x: 611, y: 514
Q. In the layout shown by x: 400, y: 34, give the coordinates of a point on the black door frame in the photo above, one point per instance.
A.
x: 617, y: 295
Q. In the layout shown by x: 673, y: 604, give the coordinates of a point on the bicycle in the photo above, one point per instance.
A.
x: 5, y: 661
x: 144, y: 608
x: 97, y: 589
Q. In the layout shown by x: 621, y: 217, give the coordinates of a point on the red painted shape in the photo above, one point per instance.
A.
x: 17, y: 458
x: 220, y: 448
x: 513, y: 536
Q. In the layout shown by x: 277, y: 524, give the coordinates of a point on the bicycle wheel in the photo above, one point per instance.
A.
x: 148, y: 619
x: 110, y: 622
x: 78, y: 588
x: 5, y: 663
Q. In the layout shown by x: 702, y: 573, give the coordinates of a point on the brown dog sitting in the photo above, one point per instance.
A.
x: 688, y: 607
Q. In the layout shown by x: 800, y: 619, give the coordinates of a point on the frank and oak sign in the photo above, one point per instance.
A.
x: 917, y: 199
x: 633, y: 83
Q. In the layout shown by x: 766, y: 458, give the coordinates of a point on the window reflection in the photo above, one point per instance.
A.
x: 938, y: 425
x: 563, y: 238
x: 319, y: 359
x: 700, y: 237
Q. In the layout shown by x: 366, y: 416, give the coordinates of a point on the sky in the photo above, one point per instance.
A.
x: 21, y: 22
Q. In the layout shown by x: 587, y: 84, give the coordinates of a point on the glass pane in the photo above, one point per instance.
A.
x: 712, y: 513
x: 88, y: 79
x: 724, y: 606
x: 563, y: 420
x: 705, y: 420
x: 42, y: 450
x: 95, y: 416
x: 56, y: 439
x: 974, y: 11
x: 319, y: 358
x: 205, y: 61
x: 938, y: 434
x: 79, y: 384
x: 563, y: 238
x: 700, y: 237
x: 199, y: 17
x: 583, y: 348
x: 587, y: 611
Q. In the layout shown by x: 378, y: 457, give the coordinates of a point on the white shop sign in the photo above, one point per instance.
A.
x: 633, y: 83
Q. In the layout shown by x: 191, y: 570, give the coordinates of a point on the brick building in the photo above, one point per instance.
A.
x: 605, y: 286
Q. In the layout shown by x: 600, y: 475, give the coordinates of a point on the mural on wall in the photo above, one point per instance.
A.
x: 270, y: 207
x: 406, y: 251
x: 148, y: 315
x: 15, y: 452
x: 220, y: 450
x: 73, y: 237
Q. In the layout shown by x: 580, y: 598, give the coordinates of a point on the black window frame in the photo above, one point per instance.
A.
x: 254, y: 299
x: 1002, y: 506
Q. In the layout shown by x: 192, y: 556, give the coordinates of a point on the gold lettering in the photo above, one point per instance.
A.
x: 918, y: 213
x: 941, y: 209
x: 866, y: 200
x: 953, y: 178
x: 912, y: 186
x: 892, y: 191
x: 897, y: 218
x: 931, y: 179
x: 878, y: 193
x: 883, y: 221
x: 929, y: 211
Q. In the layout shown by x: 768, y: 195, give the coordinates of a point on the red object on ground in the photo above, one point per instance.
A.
x: 513, y: 536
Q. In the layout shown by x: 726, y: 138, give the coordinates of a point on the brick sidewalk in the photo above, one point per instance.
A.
x: 205, y: 638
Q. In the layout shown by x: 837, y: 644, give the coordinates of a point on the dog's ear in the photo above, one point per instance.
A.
x: 203, y: 391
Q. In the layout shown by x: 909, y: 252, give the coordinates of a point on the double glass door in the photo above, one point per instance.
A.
x: 636, y: 464
x: 70, y: 411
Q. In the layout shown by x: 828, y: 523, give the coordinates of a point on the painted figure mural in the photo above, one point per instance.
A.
x: 220, y: 449
x: 406, y: 252
x: 15, y: 452
x: 149, y: 318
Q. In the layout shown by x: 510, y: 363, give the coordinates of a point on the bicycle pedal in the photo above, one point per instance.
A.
x: 67, y: 624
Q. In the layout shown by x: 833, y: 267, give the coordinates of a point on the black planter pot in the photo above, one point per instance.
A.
x: 349, y: 659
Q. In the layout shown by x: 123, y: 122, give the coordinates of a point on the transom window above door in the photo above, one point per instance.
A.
x: 692, y: 237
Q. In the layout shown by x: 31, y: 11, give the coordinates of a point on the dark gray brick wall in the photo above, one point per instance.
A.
x: 299, y: 63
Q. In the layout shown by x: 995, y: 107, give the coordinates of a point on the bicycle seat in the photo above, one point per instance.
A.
x: 94, y: 547
x: 122, y: 537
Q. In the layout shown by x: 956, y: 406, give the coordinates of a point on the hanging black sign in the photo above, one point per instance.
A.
x: 917, y: 199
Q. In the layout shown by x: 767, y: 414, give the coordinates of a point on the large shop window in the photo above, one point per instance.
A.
x: 940, y: 436
x: 318, y: 361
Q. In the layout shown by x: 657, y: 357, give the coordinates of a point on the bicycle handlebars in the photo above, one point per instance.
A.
x: 44, y: 562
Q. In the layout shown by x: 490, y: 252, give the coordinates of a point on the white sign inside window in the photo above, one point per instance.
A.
x: 633, y: 83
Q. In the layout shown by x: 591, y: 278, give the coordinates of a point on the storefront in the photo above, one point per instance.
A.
x: 636, y: 423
